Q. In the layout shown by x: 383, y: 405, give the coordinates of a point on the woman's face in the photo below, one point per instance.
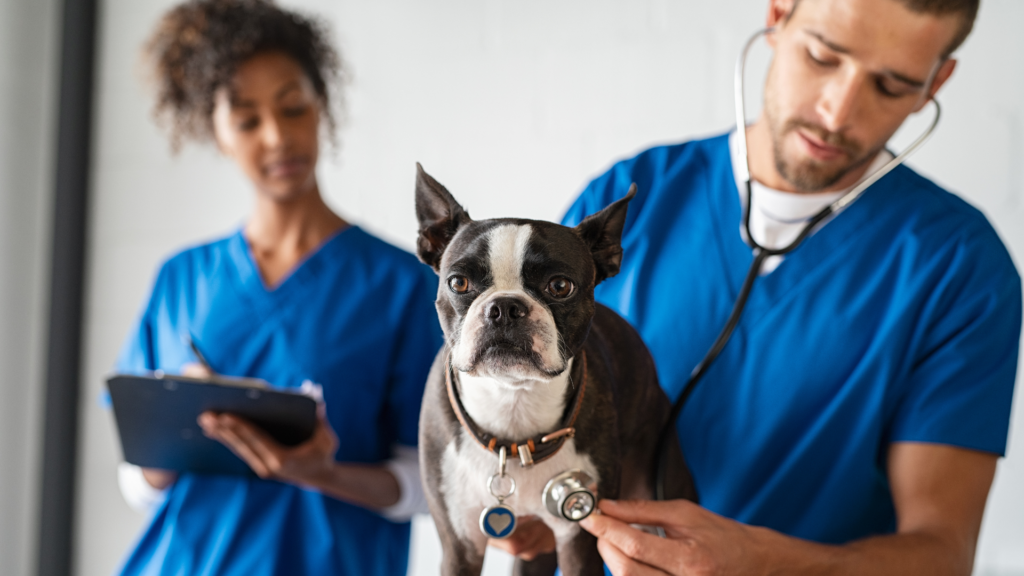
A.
x: 267, y: 121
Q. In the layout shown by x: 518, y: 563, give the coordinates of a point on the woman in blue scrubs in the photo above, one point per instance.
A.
x: 297, y: 297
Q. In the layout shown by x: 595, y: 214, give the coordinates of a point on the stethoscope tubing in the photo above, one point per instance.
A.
x: 762, y: 253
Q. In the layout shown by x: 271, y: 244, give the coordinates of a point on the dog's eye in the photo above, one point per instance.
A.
x: 458, y: 284
x: 560, y: 287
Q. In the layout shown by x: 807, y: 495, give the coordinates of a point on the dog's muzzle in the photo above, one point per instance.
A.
x: 572, y: 495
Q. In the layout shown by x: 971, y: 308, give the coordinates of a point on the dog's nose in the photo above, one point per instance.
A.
x: 505, y: 309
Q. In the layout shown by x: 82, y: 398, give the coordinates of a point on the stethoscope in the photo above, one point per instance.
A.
x: 761, y: 253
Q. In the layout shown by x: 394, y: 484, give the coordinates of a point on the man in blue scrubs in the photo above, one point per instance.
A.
x: 853, y: 423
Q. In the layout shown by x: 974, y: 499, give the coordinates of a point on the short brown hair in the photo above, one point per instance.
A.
x: 967, y: 9
x: 198, y: 46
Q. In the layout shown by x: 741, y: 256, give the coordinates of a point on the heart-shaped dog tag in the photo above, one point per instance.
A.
x: 498, y: 521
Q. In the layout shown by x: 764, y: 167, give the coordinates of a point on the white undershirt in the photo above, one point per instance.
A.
x: 779, y: 217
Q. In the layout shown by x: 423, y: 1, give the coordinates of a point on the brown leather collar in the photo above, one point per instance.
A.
x: 530, y: 450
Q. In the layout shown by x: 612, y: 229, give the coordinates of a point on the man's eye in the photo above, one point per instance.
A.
x: 560, y: 287
x: 818, y: 60
x: 458, y: 284
x: 885, y: 88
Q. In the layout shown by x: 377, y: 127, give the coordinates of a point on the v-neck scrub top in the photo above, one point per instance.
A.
x: 898, y: 321
x: 355, y: 317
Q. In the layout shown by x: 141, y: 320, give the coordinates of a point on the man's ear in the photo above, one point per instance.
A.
x: 942, y: 74
x: 779, y: 12
x: 439, y: 215
x: 602, y: 233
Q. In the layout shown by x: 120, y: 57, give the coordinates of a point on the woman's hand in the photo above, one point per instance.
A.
x: 159, y: 478
x: 309, y: 464
x: 193, y: 370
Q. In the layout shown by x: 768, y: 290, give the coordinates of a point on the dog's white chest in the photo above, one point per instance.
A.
x: 468, y: 468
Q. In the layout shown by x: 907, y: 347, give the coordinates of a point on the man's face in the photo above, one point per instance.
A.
x: 845, y: 75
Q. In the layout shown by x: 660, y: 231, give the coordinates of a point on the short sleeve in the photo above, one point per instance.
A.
x: 419, y: 340
x: 138, y: 354
x: 961, y: 384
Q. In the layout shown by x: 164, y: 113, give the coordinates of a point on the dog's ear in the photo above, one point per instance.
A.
x: 602, y: 233
x: 439, y: 215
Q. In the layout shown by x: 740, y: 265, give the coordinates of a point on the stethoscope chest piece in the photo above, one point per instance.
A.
x: 572, y: 495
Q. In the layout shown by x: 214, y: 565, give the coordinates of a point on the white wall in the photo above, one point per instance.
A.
x: 27, y: 79
x: 514, y: 106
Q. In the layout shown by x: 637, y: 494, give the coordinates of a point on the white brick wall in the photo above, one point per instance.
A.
x: 514, y: 106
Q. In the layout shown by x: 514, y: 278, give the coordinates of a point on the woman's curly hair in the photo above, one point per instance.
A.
x: 199, y: 45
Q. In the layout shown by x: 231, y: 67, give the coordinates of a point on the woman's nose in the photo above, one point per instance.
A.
x: 272, y: 134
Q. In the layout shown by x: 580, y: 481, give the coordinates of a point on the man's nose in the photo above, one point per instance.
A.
x: 505, y: 310
x: 838, y: 102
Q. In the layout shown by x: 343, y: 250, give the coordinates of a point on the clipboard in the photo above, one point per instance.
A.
x: 156, y: 419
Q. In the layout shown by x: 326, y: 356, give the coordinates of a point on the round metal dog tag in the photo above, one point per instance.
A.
x: 498, y: 521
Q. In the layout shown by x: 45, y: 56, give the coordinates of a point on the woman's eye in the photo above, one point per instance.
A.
x: 295, y: 111
x: 248, y: 124
x: 458, y: 284
x: 560, y: 287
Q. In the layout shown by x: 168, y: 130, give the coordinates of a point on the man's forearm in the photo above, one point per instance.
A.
x: 921, y: 554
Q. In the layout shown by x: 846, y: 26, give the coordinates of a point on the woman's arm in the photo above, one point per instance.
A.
x: 310, y: 464
x: 139, y: 492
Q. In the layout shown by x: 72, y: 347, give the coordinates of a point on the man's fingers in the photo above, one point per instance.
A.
x: 649, y: 512
x: 622, y: 565
x: 633, y: 543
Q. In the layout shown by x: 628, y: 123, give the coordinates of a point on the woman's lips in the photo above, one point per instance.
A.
x: 287, y: 168
x: 818, y: 149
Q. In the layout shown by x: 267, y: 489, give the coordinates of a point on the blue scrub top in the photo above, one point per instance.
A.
x: 356, y: 317
x: 898, y: 321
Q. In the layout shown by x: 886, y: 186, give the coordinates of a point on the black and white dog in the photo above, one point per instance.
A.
x: 534, y: 373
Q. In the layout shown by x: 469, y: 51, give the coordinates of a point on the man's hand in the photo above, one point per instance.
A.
x: 531, y: 539
x: 697, y: 542
x: 939, y: 493
x: 310, y: 463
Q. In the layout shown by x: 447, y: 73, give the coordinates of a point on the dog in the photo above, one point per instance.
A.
x: 536, y: 375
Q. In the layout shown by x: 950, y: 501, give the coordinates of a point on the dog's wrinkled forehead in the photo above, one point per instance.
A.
x: 512, y: 253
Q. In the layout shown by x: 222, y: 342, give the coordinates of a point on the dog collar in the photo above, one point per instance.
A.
x: 530, y: 450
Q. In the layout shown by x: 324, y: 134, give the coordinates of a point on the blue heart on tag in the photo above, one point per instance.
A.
x: 499, y: 522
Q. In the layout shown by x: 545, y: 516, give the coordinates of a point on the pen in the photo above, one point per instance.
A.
x: 199, y: 355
